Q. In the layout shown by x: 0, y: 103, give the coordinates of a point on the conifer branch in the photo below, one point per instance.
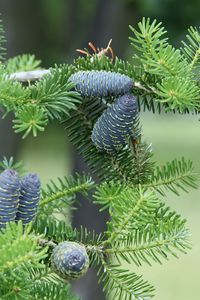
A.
x: 137, y: 206
x: 153, y: 243
x: 22, y: 63
x: 19, y: 247
x: 174, y: 176
x: 191, y: 48
x: 66, y: 187
x: 54, y: 231
x: 119, y: 283
x: 141, y: 229
x: 175, y: 84
x: 51, y: 290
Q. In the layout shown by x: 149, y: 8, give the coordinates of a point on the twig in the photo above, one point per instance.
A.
x: 26, y: 76
x: 149, y: 89
x: 43, y: 243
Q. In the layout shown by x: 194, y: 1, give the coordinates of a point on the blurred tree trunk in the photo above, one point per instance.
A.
x: 9, y: 140
x: 112, y: 20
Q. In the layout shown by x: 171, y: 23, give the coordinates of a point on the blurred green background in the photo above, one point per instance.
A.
x: 53, y: 29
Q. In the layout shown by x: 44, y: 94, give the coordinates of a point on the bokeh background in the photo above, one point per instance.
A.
x: 52, y: 30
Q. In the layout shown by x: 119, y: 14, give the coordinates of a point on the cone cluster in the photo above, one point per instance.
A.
x: 18, y: 197
x: 113, y: 128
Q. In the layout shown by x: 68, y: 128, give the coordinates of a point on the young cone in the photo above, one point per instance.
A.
x: 70, y: 260
x: 101, y: 83
x: 114, y: 126
x: 29, y: 198
x: 9, y: 196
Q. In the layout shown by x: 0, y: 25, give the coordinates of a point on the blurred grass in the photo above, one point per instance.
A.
x: 172, y: 136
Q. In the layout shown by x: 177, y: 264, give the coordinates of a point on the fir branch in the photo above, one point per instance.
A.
x: 156, y: 55
x: 132, y: 208
x: 23, y: 282
x: 53, y: 230
x: 51, y: 291
x: 149, y: 37
x: 191, y: 48
x: 21, y: 64
x: 120, y: 66
x: 153, y: 243
x: 54, y: 92
x: 145, y: 84
x: 180, y: 93
x: 174, y: 176
x: 19, y: 247
x: 175, y: 84
x: 45, y: 274
x: 90, y: 238
x: 30, y: 118
x: 45, y: 284
x: 108, y: 193
x: 15, y: 285
x: 119, y: 283
x: 11, y: 164
x: 50, y: 98
x: 67, y: 187
x: 12, y: 94
x: 166, y: 62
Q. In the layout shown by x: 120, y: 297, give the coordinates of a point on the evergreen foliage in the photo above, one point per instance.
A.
x: 11, y: 164
x: 174, y: 79
x: 141, y: 229
x: 24, y: 62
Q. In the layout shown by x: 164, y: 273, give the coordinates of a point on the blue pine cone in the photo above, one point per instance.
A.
x: 114, y: 126
x: 29, y: 198
x: 9, y: 195
x: 101, y: 83
x: 70, y: 260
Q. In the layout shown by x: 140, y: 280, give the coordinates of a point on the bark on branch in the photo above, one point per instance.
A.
x: 28, y: 76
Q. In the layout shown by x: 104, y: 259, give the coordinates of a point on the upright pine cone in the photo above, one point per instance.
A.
x: 29, y: 198
x: 101, y: 83
x: 114, y: 126
x: 70, y: 260
x: 9, y: 196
